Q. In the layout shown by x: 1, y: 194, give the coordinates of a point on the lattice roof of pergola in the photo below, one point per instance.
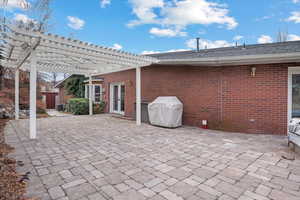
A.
x: 54, y: 53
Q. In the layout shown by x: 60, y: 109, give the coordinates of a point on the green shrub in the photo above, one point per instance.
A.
x: 40, y: 110
x: 98, y: 108
x: 75, y: 86
x: 80, y: 106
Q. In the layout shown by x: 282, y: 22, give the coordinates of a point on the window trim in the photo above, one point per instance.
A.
x: 86, y: 93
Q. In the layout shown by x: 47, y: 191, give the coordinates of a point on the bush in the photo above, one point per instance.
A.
x: 40, y: 110
x: 75, y: 86
x: 99, y: 107
x: 80, y: 106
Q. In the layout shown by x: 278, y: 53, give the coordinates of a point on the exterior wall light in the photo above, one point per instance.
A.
x: 253, y: 71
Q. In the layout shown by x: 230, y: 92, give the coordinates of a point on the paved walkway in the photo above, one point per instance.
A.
x: 99, y: 157
x: 55, y: 113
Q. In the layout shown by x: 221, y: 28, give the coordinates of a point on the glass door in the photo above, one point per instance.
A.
x: 295, y: 95
x: 117, y: 98
x: 122, y: 101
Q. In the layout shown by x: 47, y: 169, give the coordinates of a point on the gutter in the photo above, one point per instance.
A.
x: 235, y: 60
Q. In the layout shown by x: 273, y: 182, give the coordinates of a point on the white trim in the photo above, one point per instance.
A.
x: 90, y: 97
x: 33, y: 80
x: 93, y: 92
x: 94, y: 95
x: 17, y: 93
x: 236, y: 60
x: 86, y: 91
x: 59, y: 54
x: 291, y: 71
x: 138, y: 96
x: 111, y: 101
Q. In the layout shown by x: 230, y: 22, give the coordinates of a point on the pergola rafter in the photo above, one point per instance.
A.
x: 74, y: 49
x: 33, y: 51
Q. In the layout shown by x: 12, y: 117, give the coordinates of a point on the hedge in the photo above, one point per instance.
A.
x: 80, y: 106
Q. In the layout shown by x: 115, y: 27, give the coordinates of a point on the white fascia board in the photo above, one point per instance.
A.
x: 236, y: 60
x: 113, y: 70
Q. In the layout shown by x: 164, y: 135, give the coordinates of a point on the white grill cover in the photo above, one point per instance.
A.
x: 294, y: 131
x: 166, y: 112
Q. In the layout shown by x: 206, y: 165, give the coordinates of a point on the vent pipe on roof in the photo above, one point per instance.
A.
x: 198, y: 44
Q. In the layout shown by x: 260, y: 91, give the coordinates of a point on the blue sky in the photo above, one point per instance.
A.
x: 163, y: 25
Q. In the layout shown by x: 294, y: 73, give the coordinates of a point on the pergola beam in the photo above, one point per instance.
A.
x: 27, y: 53
x: 52, y: 53
x: 97, y: 59
x: 17, y: 94
x: 138, y: 96
x: 82, y: 48
x: 33, y: 80
x: 90, y: 96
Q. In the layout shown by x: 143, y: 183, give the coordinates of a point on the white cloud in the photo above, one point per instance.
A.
x: 23, y: 18
x: 238, y: 37
x: 186, y: 12
x: 295, y: 17
x: 117, y: 46
x: 75, y: 23
x: 172, y: 50
x: 178, y: 50
x: 293, y: 37
x: 296, y: 1
x: 104, y: 3
x: 166, y: 32
x: 180, y: 14
x: 13, y: 4
x: 264, y: 39
x: 203, y: 44
x: 144, y: 10
x: 150, y: 52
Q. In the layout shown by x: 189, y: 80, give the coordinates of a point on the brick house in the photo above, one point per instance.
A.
x: 63, y: 95
x: 251, y: 89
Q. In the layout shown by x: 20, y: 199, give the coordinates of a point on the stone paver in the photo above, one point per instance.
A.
x: 101, y: 158
x: 56, y: 192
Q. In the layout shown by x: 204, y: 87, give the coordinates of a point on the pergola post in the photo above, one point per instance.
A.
x: 17, y: 94
x: 90, y: 96
x: 138, y: 96
x: 33, y: 80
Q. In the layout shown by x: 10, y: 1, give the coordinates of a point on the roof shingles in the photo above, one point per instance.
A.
x: 256, y: 49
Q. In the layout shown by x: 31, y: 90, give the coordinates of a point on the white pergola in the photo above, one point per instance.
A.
x: 33, y: 51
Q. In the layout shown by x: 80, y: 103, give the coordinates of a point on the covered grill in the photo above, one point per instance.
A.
x: 166, y: 112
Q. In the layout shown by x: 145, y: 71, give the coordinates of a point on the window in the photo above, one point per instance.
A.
x: 96, y: 93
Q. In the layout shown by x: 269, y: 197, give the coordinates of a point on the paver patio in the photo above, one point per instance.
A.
x: 100, y: 157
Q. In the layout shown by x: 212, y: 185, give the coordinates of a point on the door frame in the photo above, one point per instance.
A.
x: 111, y: 101
x: 291, y: 71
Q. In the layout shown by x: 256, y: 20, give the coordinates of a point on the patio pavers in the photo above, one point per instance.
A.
x: 100, y: 157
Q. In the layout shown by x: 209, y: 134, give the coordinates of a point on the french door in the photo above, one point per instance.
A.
x: 117, y: 98
x: 294, y: 93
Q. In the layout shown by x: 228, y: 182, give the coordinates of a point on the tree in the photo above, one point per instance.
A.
x: 75, y: 86
x: 54, y: 78
x: 41, y: 12
x: 282, y: 36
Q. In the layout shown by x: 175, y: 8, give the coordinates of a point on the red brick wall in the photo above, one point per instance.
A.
x: 128, y: 78
x: 63, y: 96
x: 228, y: 97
